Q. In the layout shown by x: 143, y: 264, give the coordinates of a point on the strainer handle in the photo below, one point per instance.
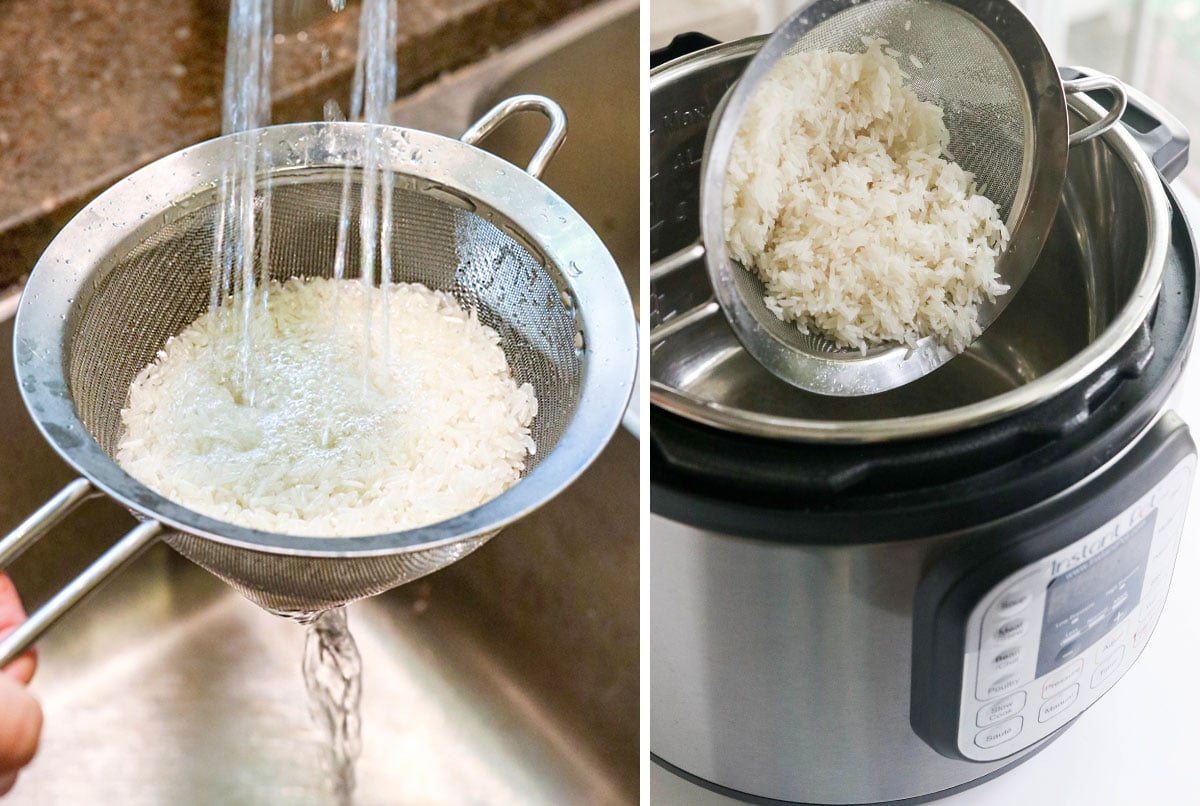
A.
x: 46, y: 518
x: 524, y: 103
x: 31, y: 530
x: 1093, y: 83
x: 1160, y: 134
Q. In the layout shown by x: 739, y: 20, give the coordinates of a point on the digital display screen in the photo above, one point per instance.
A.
x: 1087, y: 601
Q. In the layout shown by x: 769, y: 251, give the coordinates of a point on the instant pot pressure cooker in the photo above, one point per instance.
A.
x: 889, y: 598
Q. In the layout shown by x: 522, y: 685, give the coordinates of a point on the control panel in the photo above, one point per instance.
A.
x: 1025, y: 621
x: 1048, y: 640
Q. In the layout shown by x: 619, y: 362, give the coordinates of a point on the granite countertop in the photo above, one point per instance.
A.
x: 92, y: 89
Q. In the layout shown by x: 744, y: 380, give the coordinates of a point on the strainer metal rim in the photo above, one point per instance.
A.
x: 847, y: 373
x: 551, y: 225
x: 1123, y: 326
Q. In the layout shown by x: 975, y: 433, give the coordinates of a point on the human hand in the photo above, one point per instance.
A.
x: 20, y: 714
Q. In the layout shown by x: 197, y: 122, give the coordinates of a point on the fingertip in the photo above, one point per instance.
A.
x: 23, y: 668
x: 20, y: 725
x: 7, y: 588
x: 12, y: 612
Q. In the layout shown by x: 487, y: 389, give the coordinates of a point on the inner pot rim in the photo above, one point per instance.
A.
x: 1118, y: 332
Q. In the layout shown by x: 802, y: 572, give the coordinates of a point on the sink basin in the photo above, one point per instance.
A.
x: 589, y: 63
x: 509, y: 677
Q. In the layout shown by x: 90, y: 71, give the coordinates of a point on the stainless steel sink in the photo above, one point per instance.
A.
x: 590, y: 65
x: 510, y: 677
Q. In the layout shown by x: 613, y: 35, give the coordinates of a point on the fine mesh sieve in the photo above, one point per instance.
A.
x: 984, y: 64
x: 133, y: 268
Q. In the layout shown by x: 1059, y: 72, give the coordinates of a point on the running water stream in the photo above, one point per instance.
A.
x: 372, y: 92
x: 246, y: 106
x: 333, y: 677
x: 332, y: 666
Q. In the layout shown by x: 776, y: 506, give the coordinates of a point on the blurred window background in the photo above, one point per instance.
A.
x: 1153, y: 45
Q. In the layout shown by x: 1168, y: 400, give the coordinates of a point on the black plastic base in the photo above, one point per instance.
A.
x: 746, y: 797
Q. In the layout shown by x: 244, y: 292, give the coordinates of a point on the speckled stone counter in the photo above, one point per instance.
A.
x: 92, y: 89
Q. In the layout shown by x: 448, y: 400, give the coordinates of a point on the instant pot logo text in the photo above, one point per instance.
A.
x: 1083, y: 553
x: 1113, y: 533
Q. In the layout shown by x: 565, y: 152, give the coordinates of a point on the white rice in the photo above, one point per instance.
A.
x: 840, y: 197
x: 440, y: 428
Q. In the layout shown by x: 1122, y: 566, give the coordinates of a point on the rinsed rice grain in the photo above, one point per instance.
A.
x: 842, y: 197
x: 439, y: 427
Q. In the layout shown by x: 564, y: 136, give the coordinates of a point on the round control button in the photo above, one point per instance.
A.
x: 1005, y: 658
x: 1110, y: 642
x: 1011, y: 602
x: 1059, y: 679
x: 1149, y: 610
x: 1002, y: 685
x: 1009, y: 631
x: 1165, y: 547
x: 999, y: 734
x: 1001, y: 709
x: 1059, y: 704
x: 1108, y: 669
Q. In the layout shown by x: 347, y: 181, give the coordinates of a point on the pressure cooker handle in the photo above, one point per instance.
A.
x: 681, y: 45
x: 1079, y: 403
x: 502, y: 111
x: 1160, y: 134
x: 32, y: 529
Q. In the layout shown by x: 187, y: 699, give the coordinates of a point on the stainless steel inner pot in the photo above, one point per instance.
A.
x: 1092, y: 288
x: 986, y: 66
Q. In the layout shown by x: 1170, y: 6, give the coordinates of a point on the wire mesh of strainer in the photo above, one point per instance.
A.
x: 984, y: 64
x: 133, y: 268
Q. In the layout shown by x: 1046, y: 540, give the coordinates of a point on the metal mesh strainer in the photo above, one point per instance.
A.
x: 984, y: 64
x: 132, y: 269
